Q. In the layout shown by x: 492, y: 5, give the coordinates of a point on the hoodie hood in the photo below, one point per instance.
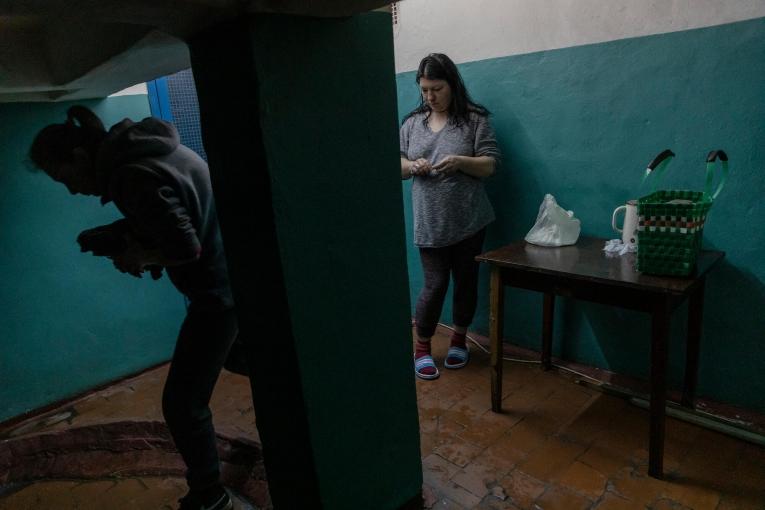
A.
x: 129, y: 141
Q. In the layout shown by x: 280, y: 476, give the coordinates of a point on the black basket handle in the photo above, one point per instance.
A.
x: 710, y: 171
x: 666, y: 153
x: 657, y: 166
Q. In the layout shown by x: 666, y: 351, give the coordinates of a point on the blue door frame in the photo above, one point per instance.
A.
x: 159, y: 99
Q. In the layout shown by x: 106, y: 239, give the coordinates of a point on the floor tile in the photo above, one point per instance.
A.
x: 584, y: 480
x: 477, y: 478
x: 448, y: 492
x: 556, y: 444
x: 487, y: 429
x: 637, y: 487
x: 558, y: 498
x: 551, y: 459
x: 611, y: 501
x: 458, y: 451
x: 492, y: 503
x: 522, y: 489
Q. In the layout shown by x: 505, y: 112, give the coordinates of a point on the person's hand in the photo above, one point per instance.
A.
x: 133, y: 260
x: 125, y: 265
x: 448, y: 165
x: 420, y: 166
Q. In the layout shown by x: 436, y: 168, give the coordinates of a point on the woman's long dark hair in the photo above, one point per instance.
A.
x: 55, y: 143
x: 438, y: 66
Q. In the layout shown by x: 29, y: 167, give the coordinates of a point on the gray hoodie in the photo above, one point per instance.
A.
x: 163, y: 190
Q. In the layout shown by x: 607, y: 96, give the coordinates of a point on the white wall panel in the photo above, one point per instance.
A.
x: 135, y: 90
x: 468, y: 30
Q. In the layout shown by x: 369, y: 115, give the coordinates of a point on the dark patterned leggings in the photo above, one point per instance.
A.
x: 438, y: 264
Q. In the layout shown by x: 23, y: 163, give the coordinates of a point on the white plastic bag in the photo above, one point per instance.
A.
x: 554, y: 226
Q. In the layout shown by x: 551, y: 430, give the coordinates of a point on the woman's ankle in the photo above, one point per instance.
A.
x: 422, y: 348
x: 458, y: 338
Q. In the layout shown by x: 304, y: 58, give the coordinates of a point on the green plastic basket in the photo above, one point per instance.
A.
x: 671, y: 222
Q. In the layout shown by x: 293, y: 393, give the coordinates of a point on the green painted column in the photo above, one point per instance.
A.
x: 299, y: 122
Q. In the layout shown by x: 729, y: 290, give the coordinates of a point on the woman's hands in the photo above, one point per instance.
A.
x: 420, y: 166
x: 477, y: 166
x: 449, y: 165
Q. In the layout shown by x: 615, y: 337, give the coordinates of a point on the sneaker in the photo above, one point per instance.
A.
x: 192, y: 501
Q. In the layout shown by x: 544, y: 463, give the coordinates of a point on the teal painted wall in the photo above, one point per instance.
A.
x: 70, y: 321
x: 582, y: 123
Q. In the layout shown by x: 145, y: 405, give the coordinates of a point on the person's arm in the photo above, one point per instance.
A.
x: 163, y: 233
x: 136, y: 259
x: 475, y: 166
x: 153, y: 256
x: 411, y: 168
x: 486, y: 153
x: 406, y: 168
x: 478, y: 166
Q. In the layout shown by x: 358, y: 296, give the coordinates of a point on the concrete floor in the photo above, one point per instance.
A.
x: 558, y: 445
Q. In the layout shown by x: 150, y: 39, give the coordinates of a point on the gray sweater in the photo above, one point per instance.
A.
x: 163, y: 189
x: 448, y: 209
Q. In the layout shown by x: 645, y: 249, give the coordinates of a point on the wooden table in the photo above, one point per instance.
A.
x: 584, y: 271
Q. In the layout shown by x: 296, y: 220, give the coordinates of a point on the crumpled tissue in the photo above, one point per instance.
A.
x: 616, y: 247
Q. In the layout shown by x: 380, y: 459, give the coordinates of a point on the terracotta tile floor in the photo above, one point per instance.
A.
x: 558, y: 445
x: 561, y: 445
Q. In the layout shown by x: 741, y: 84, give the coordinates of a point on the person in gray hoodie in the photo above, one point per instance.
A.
x: 163, y: 190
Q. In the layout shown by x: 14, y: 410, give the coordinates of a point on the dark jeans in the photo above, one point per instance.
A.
x: 457, y: 260
x: 203, y: 343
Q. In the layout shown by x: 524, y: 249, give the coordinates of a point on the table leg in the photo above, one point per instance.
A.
x: 660, y: 324
x: 695, y: 314
x: 548, y: 314
x: 496, y: 319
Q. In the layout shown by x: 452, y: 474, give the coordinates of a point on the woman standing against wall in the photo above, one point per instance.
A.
x: 448, y: 147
